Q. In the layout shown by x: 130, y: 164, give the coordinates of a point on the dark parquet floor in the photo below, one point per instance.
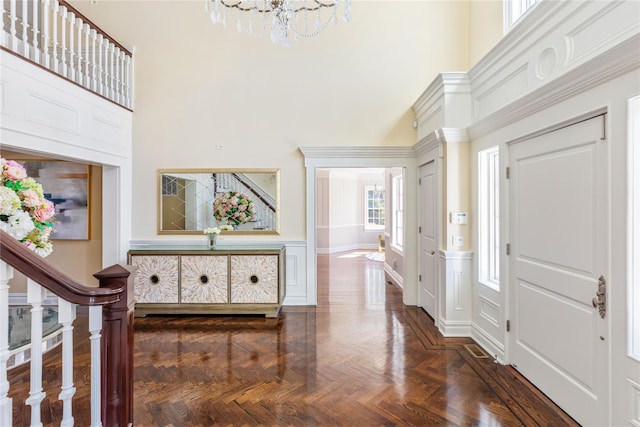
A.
x: 360, y: 358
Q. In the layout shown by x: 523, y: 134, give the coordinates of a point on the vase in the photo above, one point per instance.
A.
x: 212, y: 240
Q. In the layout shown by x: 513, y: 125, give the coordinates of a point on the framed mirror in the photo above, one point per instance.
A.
x: 247, y: 199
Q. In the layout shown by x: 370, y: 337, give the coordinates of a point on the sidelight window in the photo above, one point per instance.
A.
x: 489, y: 217
x: 397, y: 231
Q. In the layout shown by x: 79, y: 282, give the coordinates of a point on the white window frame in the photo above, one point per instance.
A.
x: 368, y: 225
x: 513, y: 10
x: 397, y: 208
x: 489, y: 217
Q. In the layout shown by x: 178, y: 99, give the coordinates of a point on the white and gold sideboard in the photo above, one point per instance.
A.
x: 224, y: 280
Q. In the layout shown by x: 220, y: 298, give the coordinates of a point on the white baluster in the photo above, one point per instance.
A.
x: 25, y: 27
x: 87, y: 78
x: 112, y: 74
x: 119, y: 77
x: 45, y: 33
x: 94, y: 64
x: 35, y: 297
x: 63, y: 39
x: 95, y: 328
x: 6, y: 274
x: 129, y: 79
x: 56, y: 9
x: 79, y: 55
x: 66, y: 317
x: 36, y: 31
x: 116, y: 85
x: 72, y: 52
x: 13, y: 16
x: 100, y: 88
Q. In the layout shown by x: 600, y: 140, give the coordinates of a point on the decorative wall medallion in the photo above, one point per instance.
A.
x: 546, y: 62
x: 204, y: 279
x: 254, y: 279
x: 156, y: 279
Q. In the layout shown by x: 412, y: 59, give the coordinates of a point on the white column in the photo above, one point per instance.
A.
x: 66, y: 317
x: 35, y: 297
x: 95, y: 328
x: 6, y: 274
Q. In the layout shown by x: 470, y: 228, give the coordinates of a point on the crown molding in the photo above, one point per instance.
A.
x: 357, y: 152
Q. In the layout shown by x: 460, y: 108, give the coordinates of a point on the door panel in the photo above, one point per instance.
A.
x: 559, y: 249
x: 428, y: 239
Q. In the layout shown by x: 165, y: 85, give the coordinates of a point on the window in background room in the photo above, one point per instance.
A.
x: 397, y: 231
x: 513, y: 10
x: 489, y: 217
x: 374, y: 208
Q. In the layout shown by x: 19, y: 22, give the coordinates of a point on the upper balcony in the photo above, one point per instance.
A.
x: 55, y: 36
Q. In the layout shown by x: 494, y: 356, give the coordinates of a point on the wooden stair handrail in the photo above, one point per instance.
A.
x: 35, y: 267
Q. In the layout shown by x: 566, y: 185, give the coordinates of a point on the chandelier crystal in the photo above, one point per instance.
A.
x: 283, y: 20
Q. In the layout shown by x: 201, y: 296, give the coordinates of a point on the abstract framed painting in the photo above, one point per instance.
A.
x: 66, y: 184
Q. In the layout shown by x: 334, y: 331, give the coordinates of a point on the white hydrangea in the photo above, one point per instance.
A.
x: 9, y: 201
x: 45, y: 250
x: 20, y: 224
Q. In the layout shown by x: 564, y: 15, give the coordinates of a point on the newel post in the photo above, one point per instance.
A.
x: 117, y: 349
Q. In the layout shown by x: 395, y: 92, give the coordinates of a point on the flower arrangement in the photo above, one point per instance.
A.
x: 234, y: 207
x: 25, y: 213
x: 217, y: 230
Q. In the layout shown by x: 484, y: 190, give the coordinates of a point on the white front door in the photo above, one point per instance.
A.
x: 559, y: 250
x: 428, y: 240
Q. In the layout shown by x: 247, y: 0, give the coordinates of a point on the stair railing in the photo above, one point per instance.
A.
x: 111, y: 336
x: 54, y: 35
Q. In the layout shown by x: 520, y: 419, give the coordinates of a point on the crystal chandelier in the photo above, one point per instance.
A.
x: 283, y: 20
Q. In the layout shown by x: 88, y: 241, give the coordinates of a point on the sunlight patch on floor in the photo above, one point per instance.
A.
x: 353, y: 254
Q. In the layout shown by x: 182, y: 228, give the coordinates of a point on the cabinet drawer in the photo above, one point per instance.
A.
x: 203, y: 279
x: 254, y: 279
x: 156, y: 279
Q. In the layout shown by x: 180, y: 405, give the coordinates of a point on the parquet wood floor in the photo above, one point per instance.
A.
x: 360, y: 358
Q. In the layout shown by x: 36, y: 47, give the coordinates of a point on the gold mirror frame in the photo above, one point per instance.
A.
x: 186, y: 196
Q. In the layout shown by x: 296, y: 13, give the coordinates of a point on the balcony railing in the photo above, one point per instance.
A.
x: 53, y: 34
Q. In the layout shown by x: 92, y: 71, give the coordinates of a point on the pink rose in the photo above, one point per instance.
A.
x: 14, y: 171
x: 44, y: 212
x: 30, y: 199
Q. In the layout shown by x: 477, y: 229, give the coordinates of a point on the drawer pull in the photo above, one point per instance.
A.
x: 154, y: 279
x: 254, y: 279
x: 204, y: 279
